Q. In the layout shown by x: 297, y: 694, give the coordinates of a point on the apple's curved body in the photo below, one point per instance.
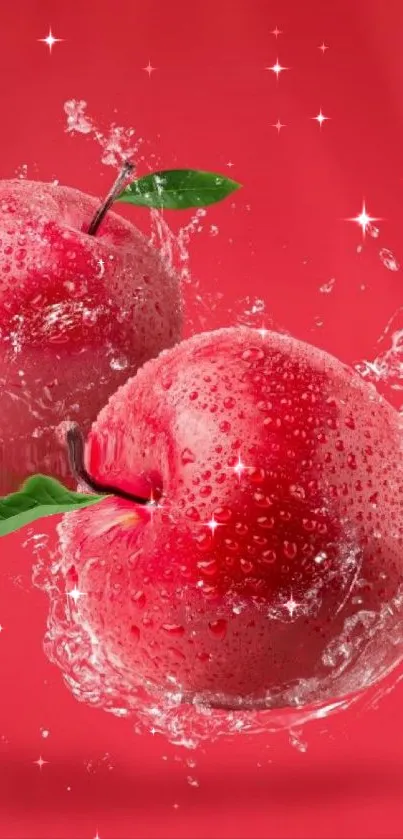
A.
x: 78, y: 315
x: 271, y: 572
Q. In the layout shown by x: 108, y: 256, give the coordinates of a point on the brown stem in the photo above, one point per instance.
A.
x: 75, y: 447
x: 110, y: 198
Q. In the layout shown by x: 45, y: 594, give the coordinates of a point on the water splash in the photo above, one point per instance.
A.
x: 117, y: 144
x: 386, y: 369
x: 94, y: 679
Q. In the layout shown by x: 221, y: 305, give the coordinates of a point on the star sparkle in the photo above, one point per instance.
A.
x: 276, y: 32
x: 50, y: 40
x: 75, y: 594
x: 213, y: 524
x: 230, y: 164
x: 40, y: 762
x: 279, y: 125
x: 149, y: 69
x: 291, y: 605
x: 239, y: 468
x: 320, y: 118
x: 277, y: 68
x: 323, y: 47
x: 363, y: 219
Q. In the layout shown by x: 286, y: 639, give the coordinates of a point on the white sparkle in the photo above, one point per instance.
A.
x: 276, y: 32
x: 263, y: 332
x: 363, y: 219
x: 320, y: 118
x: 97, y: 836
x: 277, y: 68
x: 323, y: 47
x: 50, y: 40
x: 40, y: 762
x: 75, y: 594
x: 239, y: 468
x: 279, y: 125
x: 230, y: 164
x: 291, y: 605
x: 213, y: 524
x: 149, y: 69
x: 1, y: 628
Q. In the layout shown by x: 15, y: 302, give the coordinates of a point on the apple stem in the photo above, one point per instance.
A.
x: 113, y: 193
x: 75, y: 446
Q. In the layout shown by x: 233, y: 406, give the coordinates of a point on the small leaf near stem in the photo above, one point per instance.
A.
x: 178, y: 189
x: 39, y: 497
x: 110, y: 198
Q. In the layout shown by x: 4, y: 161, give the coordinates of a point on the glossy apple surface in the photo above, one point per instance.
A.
x: 78, y: 315
x: 270, y: 572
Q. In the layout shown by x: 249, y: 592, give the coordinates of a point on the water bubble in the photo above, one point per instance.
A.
x: 326, y: 288
x: 119, y: 363
x: 218, y: 627
x: 388, y: 259
x: 187, y: 456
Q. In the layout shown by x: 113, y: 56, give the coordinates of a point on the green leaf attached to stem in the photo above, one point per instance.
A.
x: 38, y: 497
x: 178, y: 189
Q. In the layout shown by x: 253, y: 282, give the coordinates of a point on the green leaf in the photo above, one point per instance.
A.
x: 38, y: 497
x: 178, y: 189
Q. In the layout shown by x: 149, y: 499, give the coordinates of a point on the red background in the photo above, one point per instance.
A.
x: 211, y: 101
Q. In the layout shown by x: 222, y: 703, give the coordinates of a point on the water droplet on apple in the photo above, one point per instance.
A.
x: 119, y: 363
x: 290, y: 549
x: 253, y: 354
x: 139, y: 599
x: 135, y: 633
x: 173, y: 629
x: 222, y: 514
x: 218, y: 627
x: 187, y: 456
x: 209, y: 568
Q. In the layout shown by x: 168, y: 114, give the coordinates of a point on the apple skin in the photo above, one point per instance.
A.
x: 78, y: 315
x: 296, y: 597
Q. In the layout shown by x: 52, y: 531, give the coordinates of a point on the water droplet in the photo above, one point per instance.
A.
x: 246, y: 565
x: 209, y: 568
x: 166, y: 383
x: 326, y: 288
x: 119, y: 363
x: 193, y: 395
x: 388, y: 259
x: 225, y: 426
x: 192, y: 513
x: 268, y: 557
x: 352, y: 461
x: 135, y: 633
x: 222, y: 514
x: 290, y: 549
x: 267, y: 523
x: 218, y: 627
x: 173, y: 629
x: 229, y: 402
x: 187, y: 456
x: 253, y: 354
x: 241, y: 529
x: 139, y: 599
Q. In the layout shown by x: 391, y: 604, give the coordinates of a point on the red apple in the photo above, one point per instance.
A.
x: 270, y: 572
x: 78, y: 315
